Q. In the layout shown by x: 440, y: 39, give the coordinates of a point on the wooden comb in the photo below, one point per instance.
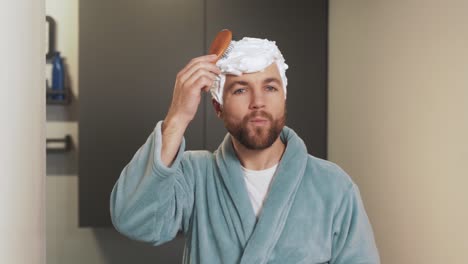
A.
x: 221, y: 45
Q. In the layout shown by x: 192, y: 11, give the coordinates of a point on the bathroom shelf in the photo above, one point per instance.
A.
x: 59, y: 144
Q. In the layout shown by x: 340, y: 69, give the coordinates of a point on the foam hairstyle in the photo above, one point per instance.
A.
x: 248, y: 55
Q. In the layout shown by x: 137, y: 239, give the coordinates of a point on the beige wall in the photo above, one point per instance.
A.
x: 22, y: 133
x: 398, y: 121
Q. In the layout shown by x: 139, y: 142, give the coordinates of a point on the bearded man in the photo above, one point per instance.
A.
x: 260, y: 197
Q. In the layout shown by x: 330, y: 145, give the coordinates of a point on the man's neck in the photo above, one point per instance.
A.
x: 259, y: 159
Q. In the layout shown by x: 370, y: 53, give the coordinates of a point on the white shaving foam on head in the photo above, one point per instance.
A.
x: 248, y: 55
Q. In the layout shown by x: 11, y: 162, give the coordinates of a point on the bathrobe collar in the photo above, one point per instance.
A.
x: 260, y: 237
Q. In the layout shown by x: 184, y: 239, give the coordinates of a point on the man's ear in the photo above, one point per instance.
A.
x: 217, y: 107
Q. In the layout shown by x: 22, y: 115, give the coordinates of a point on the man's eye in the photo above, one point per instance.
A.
x: 271, y: 88
x: 239, y: 91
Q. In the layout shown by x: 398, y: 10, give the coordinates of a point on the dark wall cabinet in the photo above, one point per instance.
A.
x: 131, y: 51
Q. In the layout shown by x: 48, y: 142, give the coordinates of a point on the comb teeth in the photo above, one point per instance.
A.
x: 227, y: 51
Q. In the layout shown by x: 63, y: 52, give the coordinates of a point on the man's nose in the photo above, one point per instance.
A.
x: 257, y: 100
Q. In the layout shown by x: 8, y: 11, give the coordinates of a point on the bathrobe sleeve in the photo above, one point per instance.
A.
x: 353, y: 240
x: 151, y: 202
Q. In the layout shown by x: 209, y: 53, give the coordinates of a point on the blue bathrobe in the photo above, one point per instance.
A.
x: 313, y: 212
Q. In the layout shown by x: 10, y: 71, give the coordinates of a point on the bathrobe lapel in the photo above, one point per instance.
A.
x: 240, y: 210
x: 260, y: 238
x: 278, y: 201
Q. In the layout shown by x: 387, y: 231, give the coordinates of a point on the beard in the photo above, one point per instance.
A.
x: 253, y: 137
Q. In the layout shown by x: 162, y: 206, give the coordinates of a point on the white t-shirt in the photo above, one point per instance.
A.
x: 258, y: 183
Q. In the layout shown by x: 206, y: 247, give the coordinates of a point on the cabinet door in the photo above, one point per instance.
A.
x: 300, y: 31
x: 130, y: 53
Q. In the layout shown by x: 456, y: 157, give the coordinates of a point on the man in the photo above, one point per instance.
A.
x: 260, y: 198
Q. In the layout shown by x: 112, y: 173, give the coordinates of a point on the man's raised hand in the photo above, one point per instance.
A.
x: 197, y: 76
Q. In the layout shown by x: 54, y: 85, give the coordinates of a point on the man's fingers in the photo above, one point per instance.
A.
x: 206, y: 58
x: 206, y: 66
x: 200, y: 74
x: 199, y: 83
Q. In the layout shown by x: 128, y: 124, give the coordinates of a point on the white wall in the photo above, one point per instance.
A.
x: 398, y: 121
x: 22, y: 132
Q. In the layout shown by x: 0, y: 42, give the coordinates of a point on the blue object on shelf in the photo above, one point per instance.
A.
x: 58, y: 76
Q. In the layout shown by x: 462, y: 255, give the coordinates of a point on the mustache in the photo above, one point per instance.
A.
x: 258, y: 114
